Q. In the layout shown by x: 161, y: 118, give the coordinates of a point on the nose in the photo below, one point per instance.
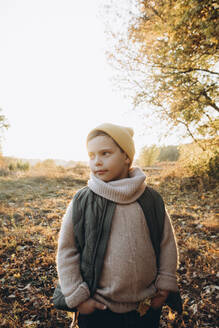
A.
x: 98, y: 161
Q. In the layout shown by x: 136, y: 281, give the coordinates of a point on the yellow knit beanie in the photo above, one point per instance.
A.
x: 121, y: 134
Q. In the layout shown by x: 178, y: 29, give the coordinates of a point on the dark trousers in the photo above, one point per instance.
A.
x: 109, y: 319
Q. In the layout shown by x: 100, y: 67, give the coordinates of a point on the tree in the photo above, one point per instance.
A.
x: 3, y: 125
x: 3, y: 121
x: 168, y: 153
x: 171, y: 58
x: 148, y: 156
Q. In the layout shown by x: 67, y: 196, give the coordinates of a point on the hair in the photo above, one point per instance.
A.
x: 98, y: 133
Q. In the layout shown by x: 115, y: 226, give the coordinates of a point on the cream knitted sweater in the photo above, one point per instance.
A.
x: 129, y: 271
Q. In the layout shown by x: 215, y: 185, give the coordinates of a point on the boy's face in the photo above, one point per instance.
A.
x: 107, y: 161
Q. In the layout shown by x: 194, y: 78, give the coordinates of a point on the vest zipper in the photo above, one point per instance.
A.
x: 96, y: 246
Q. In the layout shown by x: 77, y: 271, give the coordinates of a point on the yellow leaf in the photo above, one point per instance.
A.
x: 171, y: 315
x: 17, y: 275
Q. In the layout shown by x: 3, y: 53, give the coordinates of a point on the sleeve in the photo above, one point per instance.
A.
x: 166, y: 278
x: 72, y: 285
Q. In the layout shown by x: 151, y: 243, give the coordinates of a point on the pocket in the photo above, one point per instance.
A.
x: 59, y: 302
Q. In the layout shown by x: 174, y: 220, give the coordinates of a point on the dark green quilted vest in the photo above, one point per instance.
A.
x: 92, y: 219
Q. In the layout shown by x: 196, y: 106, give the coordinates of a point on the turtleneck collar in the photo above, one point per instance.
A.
x: 122, y: 191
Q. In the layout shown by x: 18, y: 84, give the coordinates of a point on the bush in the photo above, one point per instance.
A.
x: 46, y: 164
x: 213, y: 166
x: 23, y: 166
x: 168, y: 153
x: 3, y: 172
x: 19, y: 166
x: 201, y: 163
x: 12, y: 167
x: 148, y: 156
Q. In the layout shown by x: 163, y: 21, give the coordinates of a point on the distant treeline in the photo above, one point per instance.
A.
x: 168, y: 153
x: 200, y: 159
x: 8, y: 165
x: 149, y: 155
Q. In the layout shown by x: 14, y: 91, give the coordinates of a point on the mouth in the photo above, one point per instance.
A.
x: 101, y: 172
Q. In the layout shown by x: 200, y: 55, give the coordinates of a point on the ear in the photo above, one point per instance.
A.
x: 127, y: 159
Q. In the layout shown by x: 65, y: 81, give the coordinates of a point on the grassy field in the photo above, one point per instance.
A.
x: 31, y: 208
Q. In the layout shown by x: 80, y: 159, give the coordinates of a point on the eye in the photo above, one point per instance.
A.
x: 105, y: 153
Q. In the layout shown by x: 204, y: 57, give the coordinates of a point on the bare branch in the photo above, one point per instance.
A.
x: 183, y: 71
x: 191, y: 134
x: 210, y: 102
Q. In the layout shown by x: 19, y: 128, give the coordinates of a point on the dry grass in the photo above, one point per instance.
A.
x: 31, y: 207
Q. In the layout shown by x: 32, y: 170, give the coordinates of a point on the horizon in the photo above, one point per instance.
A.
x: 84, y: 161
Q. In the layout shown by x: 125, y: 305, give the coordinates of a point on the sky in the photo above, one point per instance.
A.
x: 55, y: 82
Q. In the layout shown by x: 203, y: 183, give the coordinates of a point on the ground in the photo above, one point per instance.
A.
x: 31, y: 207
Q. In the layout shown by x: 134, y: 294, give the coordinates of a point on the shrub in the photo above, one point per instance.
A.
x: 213, y: 166
x: 11, y: 167
x: 18, y: 166
x: 23, y: 166
x: 148, y: 156
x: 46, y: 164
x: 49, y: 163
x: 201, y: 163
x: 168, y: 153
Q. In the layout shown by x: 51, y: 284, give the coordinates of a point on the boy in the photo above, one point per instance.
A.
x: 107, y: 266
